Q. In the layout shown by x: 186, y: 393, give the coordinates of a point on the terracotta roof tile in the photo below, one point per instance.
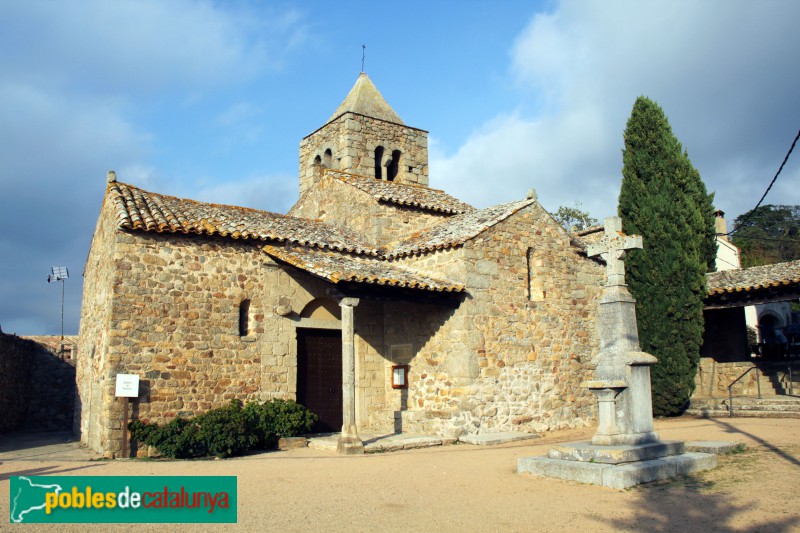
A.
x: 404, y: 194
x: 456, y: 230
x: 748, y: 279
x: 146, y: 211
x: 337, y: 267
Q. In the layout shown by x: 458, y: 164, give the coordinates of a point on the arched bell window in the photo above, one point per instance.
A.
x: 393, y: 165
x: 379, y: 162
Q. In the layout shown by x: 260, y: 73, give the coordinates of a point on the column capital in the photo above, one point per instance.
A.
x: 349, y: 302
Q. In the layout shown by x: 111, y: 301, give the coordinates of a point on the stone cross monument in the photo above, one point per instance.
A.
x: 625, y: 451
x: 622, y: 379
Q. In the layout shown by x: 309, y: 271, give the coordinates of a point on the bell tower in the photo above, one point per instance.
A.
x: 365, y: 136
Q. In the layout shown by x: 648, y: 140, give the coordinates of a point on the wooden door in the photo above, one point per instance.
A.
x: 319, y: 376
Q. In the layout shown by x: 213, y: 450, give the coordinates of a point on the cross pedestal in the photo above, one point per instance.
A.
x: 624, y: 451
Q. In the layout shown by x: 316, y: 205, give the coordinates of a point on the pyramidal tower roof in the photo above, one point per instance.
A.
x: 365, y: 99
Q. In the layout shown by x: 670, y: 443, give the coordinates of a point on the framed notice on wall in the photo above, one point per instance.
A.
x: 400, y: 376
x: 127, y: 386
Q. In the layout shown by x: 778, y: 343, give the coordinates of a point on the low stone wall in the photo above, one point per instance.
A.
x: 713, y: 378
x: 37, y: 388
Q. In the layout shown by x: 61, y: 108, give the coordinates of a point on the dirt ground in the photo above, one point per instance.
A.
x: 471, y: 488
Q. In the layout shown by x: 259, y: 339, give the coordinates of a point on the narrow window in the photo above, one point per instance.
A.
x: 317, y: 161
x: 393, y: 165
x: 244, y: 318
x: 328, y: 158
x: 536, y: 270
x: 379, y: 162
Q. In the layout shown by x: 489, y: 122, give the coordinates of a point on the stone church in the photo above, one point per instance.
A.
x: 378, y: 302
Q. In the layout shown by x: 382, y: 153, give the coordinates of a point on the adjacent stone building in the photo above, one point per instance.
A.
x: 378, y: 302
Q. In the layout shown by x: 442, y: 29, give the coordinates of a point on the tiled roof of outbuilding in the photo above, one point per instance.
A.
x: 141, y: 210
x: 754, y: 278
x: 456, y: 230
x: 404, y: 194
x: 339, y: 267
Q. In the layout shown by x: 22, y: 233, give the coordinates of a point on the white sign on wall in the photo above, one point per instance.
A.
x: 127, y: 386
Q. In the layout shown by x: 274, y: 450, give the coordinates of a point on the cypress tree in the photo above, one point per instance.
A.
x: 664, y: 200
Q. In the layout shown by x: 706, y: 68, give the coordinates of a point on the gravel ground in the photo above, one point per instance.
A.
x: 475, y: 488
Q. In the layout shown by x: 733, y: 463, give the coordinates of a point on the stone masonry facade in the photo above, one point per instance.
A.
x: 37, y: 386
x: 378, y: 222
x: 519, y: 361
x: 494, y: 311
x: 352, y: 140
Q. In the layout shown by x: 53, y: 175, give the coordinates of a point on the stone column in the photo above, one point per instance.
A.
x: 349, y: 443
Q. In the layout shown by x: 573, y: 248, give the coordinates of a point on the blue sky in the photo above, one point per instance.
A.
x: 209, y: 100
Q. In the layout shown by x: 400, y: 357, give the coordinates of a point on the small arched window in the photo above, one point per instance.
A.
x: 379, y: 162
x: 327, y: 159
x: 244, y: 318
x: 393, y: 166
x: 317, y: 161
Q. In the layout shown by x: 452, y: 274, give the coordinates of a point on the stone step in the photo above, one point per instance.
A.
x: 724, y: 413
x: 777, y: 401
x: 746, y: 409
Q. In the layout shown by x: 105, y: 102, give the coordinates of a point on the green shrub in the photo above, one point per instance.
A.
x: 270, y: 421
x: 226, y: 431
x: 179, y: 439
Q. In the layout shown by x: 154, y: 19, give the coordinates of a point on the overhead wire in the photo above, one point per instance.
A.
x: 753, y: 211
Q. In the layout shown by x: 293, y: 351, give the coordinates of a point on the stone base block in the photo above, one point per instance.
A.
x: 350, y: 446
x: 718, y: 447
x: 290, y: 443
x: 618, y: 476
x: 625, y: 439
x: 617, y: 454
x: 488, y: 439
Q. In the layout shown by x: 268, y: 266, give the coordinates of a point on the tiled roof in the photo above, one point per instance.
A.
x: 456, y: 230
x: 365, y: 99
x: 404, y: 194
x: 338, y: 267
x: 754, y: 278
x: 146, y: 211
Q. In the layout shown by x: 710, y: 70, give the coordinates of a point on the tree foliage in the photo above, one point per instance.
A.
x: 574, y: 218
x: 769, y: 234
x: 664, y: 200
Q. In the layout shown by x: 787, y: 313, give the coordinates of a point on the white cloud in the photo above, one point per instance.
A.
x: 79, y: 80
x: 130, y: 46
x: 721, y: 71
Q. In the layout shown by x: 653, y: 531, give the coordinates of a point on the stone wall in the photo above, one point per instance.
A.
x: 507, y: 357
x: 340, y: 204
x: 503, y: 357
x: 352, y: 140
x: 92, y: 359
x: 37, y: 388
x: 712, y: 379
x: 52, y: 343
x: 167, y: 308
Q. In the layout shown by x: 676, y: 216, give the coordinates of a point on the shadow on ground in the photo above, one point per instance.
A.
x: 702, y: 502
